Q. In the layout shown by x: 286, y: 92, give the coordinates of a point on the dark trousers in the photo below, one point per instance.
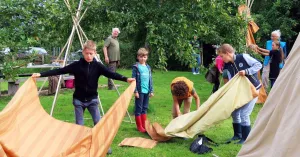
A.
x: 141, y: 104
x: 112, y: 66
x: 272, y: 81
x: 216, y: 83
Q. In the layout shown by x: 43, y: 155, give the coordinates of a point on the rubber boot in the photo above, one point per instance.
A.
x: 138, y: 121
x: 144, y: 118
x: 237, y: 132
x: 245, y: 132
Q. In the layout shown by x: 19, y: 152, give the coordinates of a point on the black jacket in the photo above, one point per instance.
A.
x: 86, y: 77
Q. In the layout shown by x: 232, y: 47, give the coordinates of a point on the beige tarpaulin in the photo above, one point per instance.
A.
x: 276, y: 132
x: 219, y: 106
x: 26, y: 130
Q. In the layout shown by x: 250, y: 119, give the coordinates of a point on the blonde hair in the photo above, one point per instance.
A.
x: 90, y: 44
x: 225, y: 48
x: 142, y: 52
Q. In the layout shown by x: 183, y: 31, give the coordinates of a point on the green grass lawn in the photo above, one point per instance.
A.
x: 159, y: 111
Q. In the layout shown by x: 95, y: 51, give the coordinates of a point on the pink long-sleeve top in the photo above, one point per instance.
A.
x: 219, y: 63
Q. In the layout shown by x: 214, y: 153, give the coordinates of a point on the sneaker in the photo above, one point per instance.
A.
x: 109, y: 151
x: 194, y: 73
x: 197, y: 73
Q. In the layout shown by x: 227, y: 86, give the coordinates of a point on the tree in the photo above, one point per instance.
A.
x: 166, y: 26
x: 277, y: 14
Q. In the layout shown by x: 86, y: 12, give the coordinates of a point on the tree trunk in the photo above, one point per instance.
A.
x: 13, y: 87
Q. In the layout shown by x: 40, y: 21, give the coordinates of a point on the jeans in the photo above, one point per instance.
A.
x: 198, y: 59
x: 242, y: 115
x: 141, y: 104
x: 80, y: 107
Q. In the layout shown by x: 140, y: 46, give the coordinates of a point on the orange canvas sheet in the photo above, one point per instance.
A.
x: 26, y: 129
x: 138, y: 142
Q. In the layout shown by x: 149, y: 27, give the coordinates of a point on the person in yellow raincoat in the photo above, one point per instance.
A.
x: 182, y: 90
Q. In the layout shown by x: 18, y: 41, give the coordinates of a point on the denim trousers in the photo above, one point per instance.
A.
x: 92, y: 107
x: 198, y: 59
x: 242, y: 115
x: 141, y: 104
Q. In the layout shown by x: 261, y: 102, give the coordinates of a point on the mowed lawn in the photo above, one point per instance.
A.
x: 159, y: 111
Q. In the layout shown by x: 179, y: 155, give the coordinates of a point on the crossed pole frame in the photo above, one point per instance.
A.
x: 76, y: 27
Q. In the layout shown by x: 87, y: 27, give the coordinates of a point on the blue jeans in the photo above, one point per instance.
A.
x: 242, y: 115
x: 141, y: 104
x: 198, y: 59
x: 80, y: 107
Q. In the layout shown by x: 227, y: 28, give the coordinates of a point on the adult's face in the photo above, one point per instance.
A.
x: 274, y: 37
x: 88, y: 54
x: 115, y: 33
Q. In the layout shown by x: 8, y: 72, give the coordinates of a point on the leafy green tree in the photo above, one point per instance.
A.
x: 167, y: 26
x: 271, y: 15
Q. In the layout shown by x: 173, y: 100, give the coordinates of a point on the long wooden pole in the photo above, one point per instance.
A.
x: 66, y: 54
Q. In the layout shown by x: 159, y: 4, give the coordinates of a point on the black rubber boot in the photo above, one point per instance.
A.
x: 245, y: 132
x: 237, y: 130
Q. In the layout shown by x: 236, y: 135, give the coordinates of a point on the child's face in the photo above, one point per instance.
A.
x: 142, y: 59
x: 274, y: 46
x: 88, y: 54
x: 227, y: 57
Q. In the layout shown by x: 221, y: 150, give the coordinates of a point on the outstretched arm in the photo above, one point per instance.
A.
x: 60, y: 71
x: 263, y: 50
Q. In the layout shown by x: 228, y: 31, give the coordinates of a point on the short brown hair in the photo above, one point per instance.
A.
x: 225, y: 48
x: 90, y: 44
x: 142, y: 52
x: 180, y: 89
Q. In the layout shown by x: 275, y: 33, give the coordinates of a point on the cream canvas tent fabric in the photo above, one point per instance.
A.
x: 26, y: 130
x: 276, y: 132
x: 219, y: 106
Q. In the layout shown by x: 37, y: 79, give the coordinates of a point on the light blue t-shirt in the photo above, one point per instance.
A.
x: 145, y: 78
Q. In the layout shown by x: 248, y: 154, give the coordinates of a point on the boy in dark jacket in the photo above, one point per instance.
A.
x: 86, y: 72
x: 244, y: 65
x: 141, y: 71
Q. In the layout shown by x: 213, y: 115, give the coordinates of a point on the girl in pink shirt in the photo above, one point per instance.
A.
x: 219, y: 65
